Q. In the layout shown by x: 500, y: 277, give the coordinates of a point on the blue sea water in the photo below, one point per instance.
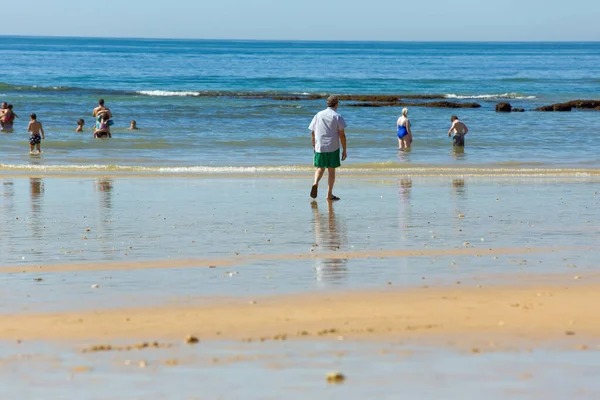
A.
x: 210, y: 106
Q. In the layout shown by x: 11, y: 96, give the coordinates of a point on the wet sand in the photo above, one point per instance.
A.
x: 530, y: 311
x: 439, y: 285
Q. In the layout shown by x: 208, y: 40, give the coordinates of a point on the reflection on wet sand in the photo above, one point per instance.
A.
x: 404, y: 205
x: 104, y: 186
x: 458, y: 186
x: 36, y: 195
x: 330, y: 235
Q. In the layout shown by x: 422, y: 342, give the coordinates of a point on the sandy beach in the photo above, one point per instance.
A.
x: 505, y: 313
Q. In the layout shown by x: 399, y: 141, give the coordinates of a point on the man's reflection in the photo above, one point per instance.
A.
x: 330, y: 236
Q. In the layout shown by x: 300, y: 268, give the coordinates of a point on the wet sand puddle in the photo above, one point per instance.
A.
x: 259, y: 371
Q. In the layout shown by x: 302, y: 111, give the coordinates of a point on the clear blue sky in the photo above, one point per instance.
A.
x: 396, y: 20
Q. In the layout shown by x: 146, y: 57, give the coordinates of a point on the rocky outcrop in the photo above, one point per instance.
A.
x: 555, y: 107
x: 433, y: 104
x: 568, y: 106
x: 585, y: 104
x: 503, y: 107
x: 518, y: 110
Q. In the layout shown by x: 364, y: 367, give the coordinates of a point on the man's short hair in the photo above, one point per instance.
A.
x: 332, y: 101
x: 33, y: 116
x: 101, y: 102
x: 453, y: 118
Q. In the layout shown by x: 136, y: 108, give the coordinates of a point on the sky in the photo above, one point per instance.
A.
x: 386, y: 20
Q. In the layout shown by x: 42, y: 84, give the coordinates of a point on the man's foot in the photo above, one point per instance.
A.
x: 333, y: 198
x: 313, y: 191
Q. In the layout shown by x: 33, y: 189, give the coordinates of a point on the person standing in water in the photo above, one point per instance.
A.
x: 99, y: 111
x: 459, y: 129
x: 327, y: 131
x: 35, y: 128
x: 404, y: 132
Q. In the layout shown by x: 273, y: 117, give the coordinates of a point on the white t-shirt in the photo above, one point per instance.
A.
x: 327, y: 125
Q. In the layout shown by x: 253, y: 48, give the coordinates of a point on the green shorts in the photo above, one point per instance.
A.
x: 328, y: 160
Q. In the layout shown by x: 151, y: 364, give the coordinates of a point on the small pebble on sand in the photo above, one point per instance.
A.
x: 335, y: 378
x: 190, y: 339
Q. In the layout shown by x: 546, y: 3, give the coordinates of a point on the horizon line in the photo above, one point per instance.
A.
x: 291, y: 40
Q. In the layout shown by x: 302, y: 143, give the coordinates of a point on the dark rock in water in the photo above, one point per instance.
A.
x: 568, y: 106
x: 518, y: 110
x: 448, y: 104
x: 370, y: 98
x: 433, y: 104
x: 503, y: 107
x: 561, y: 107
x: 585, y: 104
x: 556, y: 107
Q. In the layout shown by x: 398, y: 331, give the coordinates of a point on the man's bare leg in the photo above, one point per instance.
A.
x: 331, y: 182
x: 318, y: 175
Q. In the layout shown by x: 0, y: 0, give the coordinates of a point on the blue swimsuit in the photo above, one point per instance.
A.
x: 401, y: 131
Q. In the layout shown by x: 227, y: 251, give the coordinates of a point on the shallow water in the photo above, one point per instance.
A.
x: 209, y: 105
x: 265, y: 371
x: 408, y: 231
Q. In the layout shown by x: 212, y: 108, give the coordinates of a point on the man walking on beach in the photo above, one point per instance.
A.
x: 327, y: 131
x: 460, y: 130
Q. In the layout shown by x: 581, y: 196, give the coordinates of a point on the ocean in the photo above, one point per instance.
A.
x: 211, y: 106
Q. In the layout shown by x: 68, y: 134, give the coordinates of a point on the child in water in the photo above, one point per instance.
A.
x: 80, y: 123
x: 35, y: 128
x: 103, y: 129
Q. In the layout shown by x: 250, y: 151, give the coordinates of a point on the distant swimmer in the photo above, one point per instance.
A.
x: 102, y: 130
x: 101, y: 110
x: 133, y: 125
x: 37, y: 134
x: 458, y: 130
x: 8, y: 118
x: 80, y: 124
x: 404, y: 132
x: 327, y: 131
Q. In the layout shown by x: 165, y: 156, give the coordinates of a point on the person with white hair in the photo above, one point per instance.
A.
x: 327, y: 131
x: 404, y: 132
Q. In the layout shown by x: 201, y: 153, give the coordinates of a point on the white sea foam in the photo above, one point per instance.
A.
x: 167, y: 93
x: 513, y: 96
x: 373, y: 168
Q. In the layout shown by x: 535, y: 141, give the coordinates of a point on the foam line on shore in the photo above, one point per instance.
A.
x: 367, y: 168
